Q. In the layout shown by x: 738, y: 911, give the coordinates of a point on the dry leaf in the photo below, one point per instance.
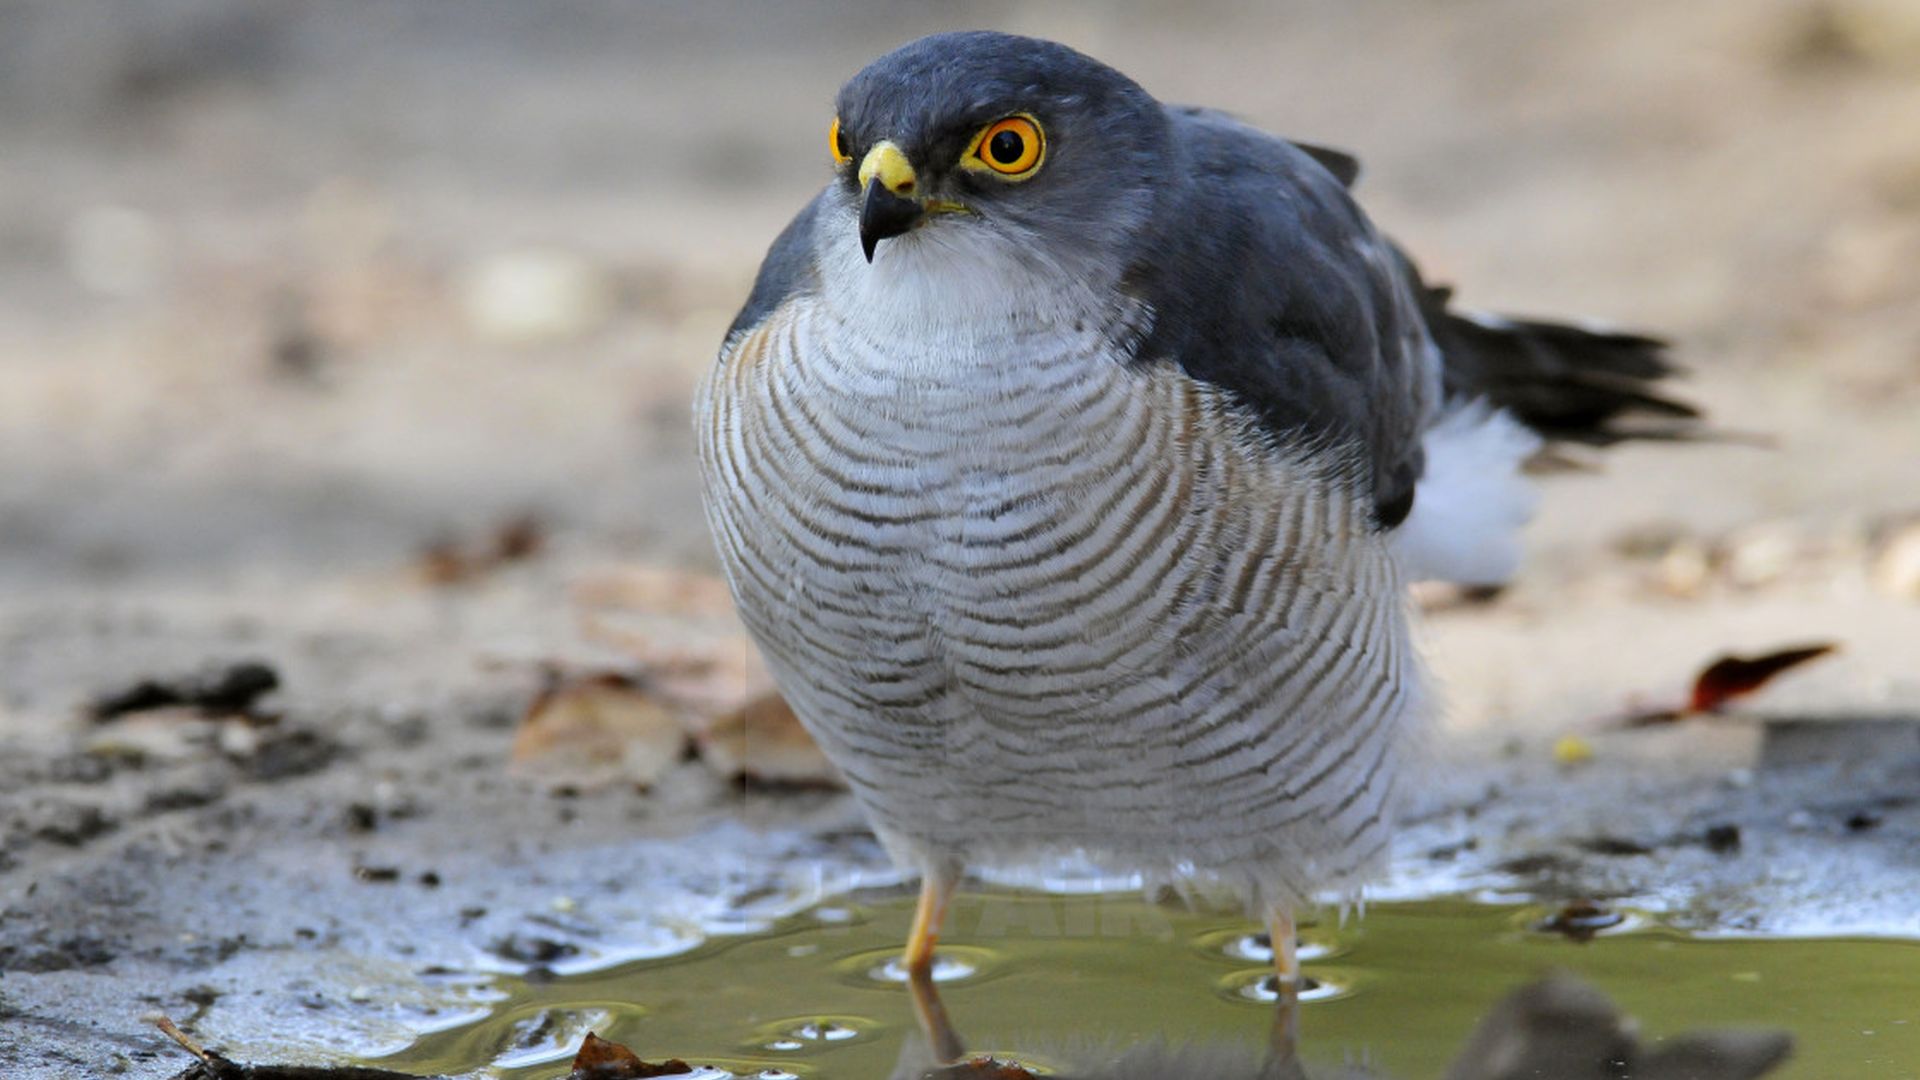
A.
x: 1725, y: 680
x: 762, y: 742
x: 597, y: 728
x: 447, y: 561
x: 1732, y: 677
x: 659, y: 590
x: 599, y: 1059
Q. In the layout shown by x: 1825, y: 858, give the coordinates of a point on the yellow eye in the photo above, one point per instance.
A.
x: 1012, y: 147
x: 837, y: 142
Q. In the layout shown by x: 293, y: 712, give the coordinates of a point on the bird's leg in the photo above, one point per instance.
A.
x: 1284, y: 1035
x: 936, y: 889
x: 1286, y: 951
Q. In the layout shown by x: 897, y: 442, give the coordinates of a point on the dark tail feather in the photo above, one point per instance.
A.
x: 1568, y: 383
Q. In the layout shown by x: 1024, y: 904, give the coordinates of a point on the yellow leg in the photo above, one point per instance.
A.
x: 1286, y: 951
x: 1283, y: 1037
x: 936, y: 888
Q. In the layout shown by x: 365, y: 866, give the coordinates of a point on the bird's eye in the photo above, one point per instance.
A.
x: 837, y: 141
x: 1011, y: 148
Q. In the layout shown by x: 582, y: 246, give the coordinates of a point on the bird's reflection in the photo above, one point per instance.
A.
x: 1557, y: 1028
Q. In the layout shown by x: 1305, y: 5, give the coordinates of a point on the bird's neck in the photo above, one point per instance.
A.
x: 958, y: 295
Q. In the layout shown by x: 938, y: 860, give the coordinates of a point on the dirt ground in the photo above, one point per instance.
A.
x: 291, y: 293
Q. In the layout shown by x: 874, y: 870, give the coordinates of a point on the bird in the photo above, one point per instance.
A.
x: 1071, y: 457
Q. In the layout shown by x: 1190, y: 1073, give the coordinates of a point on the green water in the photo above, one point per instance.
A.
x: 1407, y: 984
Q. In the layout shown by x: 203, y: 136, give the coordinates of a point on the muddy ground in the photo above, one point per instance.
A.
x: 291, y: 294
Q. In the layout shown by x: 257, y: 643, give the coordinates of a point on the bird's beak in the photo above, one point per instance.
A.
x: 889, y: 206
x: 884, y: 214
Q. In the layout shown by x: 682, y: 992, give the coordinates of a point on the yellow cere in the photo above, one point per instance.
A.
x: 1012, y: 148
x: 889, y: 163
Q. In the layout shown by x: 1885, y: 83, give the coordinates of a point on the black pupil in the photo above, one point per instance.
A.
x: 1006, y: 147
x: 840, y: 143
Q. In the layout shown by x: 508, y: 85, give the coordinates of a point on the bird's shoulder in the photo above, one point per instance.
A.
x: 1267, y: 280
x: 790, y: 269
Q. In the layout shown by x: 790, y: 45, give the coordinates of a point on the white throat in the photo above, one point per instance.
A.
x: 955, y: 285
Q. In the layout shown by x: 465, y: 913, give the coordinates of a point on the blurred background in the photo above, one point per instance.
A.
x: 299, y: 301
x: 285, y: 287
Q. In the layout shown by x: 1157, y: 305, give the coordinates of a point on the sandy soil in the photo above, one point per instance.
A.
x: 286, y: 294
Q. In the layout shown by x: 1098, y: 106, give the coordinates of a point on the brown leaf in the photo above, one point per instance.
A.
x: 1732, y: 677
x: 600, y: 1059
x: 447, y: 561
x: 518, y: 538
x: 599, y: 727
x: 657, y: 590
x: 763, y: 743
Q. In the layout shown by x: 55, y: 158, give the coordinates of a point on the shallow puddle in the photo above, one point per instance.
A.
x: 1057, y: 981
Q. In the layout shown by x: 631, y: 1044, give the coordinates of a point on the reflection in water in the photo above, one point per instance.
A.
x: 1116, y: 986
x: 1558, y: 1028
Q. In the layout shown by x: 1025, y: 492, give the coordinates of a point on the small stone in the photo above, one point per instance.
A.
x: 1760, y: 556
x: 238, y: 739
x: 1863, y: 820
x: 360, y: 994
x: 1685, y: 568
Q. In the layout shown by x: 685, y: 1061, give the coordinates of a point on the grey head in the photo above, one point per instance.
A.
x: 1026, y: 141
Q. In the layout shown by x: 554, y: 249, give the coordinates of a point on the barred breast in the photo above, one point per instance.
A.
x: 1033, y: 600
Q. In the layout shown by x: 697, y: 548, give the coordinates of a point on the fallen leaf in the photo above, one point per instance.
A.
x: 658, y: 590
x: 598, y: 728
x: 1724, y: 680
x: 763, y: 743
x: 1732, y: 677
x: 600, y: 1059
x: 448, y: 561
x: 681, y: 629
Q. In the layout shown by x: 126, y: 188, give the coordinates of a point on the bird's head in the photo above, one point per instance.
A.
x: 1006, y: 151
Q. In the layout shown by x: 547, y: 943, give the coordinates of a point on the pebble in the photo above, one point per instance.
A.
x: 1760, y: 556
x: 1685, y: 568
x: 1571, y: 750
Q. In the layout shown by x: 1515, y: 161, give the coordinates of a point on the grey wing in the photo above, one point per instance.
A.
x: 788, y: 270
x: 1344, y: 166
x: 1267, y: 280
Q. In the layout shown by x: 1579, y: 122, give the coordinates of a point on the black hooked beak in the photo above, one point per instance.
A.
x: 883, y: 215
